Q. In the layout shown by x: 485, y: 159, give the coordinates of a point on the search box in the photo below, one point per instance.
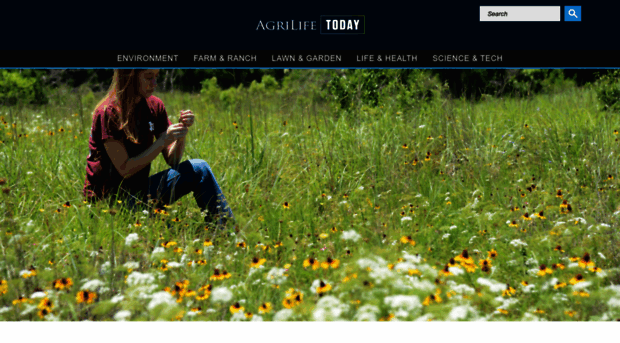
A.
x: 520, y: 13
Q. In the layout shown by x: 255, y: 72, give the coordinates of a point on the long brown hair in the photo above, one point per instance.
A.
x: 123, y: 93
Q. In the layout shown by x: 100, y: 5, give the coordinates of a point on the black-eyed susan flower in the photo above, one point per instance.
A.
x: 216, y: 275
x: 558, y: 248
x: 85, y: 296
x: 241, y: 245
x: 464, y: 258
x: 540, y: 215
x: 585, y: 261
x: 226, y: 275
x: 176, y: 219
x: 168, y: 244
x: 257, y: 262
x: 44, y: 311
x: 502, y: 311
x: 21, y: 300
x: 445, y: 271
x: 539, y: 311
x: 286, y: 205
x: 264, y: 308
x: 526, y: 216
x: 559, y: 194
x: 576, y: 279
x: 67, y: 205
x: 509, y: 291
x: 582, y: 294
x: 4, y: 287
x: 323, y: 287
x: 544, y: 270
x: 333, y: 229
x: 492, y: 253
x: 558, y: 266
x: 387, y: 318
x: 311, y: 262
x: 485, y: 265
x: 595, y: 269
x: 405, y: 146
x: 574, y: 259
x: 559, y: 285
x: 407, y: 240
x: 513, y: 224
x: 45, y: 303
x: 64, y: 283
x: 323, y: 235
x: 137, y: 224
x: 525, y: 283
x: 570, y: 313
x: 206, y: 292
x: 236, y: 307
x: 333, y: 262
x: 432, y: 298
x: 207, y: 242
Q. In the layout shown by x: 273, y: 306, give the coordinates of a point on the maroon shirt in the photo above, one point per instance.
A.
x: 102, y: 178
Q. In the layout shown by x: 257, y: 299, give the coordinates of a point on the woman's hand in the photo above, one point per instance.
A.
x: 174, y: 133
x: 187, y: 118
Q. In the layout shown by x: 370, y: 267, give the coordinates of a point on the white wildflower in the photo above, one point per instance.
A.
x: 158, y: 250
x: 406, y: 302
x: 421, y: 126
x: 173, y: 264
x: 137, y: 278
x: 367, y: 313
x: 405, y: 219
x: 613, y: 302
x: 276, y: 276
x: 460, y: 312
x: 132, y: 237
x: 328, y: 308
x: 221, y: 294
x: 351, y: 235
x: 92, y: 285
x: 518, y: 242
x: 283, y: 315
x: 493, y: 285
x: 456, y: 270
x: 122, y: 315
x: 582, y: 285
x: 601, y: 255
x: 117, y: 299
x: 161, y: 298
x: 37, y: 295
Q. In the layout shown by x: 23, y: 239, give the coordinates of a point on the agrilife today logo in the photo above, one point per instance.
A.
x: 329, y: 24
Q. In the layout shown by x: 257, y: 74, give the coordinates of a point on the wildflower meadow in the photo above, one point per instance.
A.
x: 502, y: 209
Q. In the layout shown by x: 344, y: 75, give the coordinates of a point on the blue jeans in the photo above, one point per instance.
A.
x: 189, y: 176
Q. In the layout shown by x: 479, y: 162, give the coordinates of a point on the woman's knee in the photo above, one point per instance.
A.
x: 201, y: 167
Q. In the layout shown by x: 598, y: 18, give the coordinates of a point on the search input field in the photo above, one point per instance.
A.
x: 520, y: 13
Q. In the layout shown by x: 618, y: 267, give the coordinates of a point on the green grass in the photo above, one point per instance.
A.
x: 339, y: 171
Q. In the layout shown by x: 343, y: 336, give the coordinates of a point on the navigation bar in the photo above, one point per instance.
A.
x: 225, y: 59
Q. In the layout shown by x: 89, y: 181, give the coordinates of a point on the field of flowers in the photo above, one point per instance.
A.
x: 501, y: 210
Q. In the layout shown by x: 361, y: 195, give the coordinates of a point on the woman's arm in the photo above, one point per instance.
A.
x: 128, y: 166
x: 175, y: 152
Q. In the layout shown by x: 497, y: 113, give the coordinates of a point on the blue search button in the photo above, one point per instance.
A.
x: 572, y: 13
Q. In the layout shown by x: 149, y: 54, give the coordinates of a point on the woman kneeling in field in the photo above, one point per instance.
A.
x: 130, y: 129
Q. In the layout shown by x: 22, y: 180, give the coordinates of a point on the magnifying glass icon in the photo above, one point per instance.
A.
x: 571, y: 12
